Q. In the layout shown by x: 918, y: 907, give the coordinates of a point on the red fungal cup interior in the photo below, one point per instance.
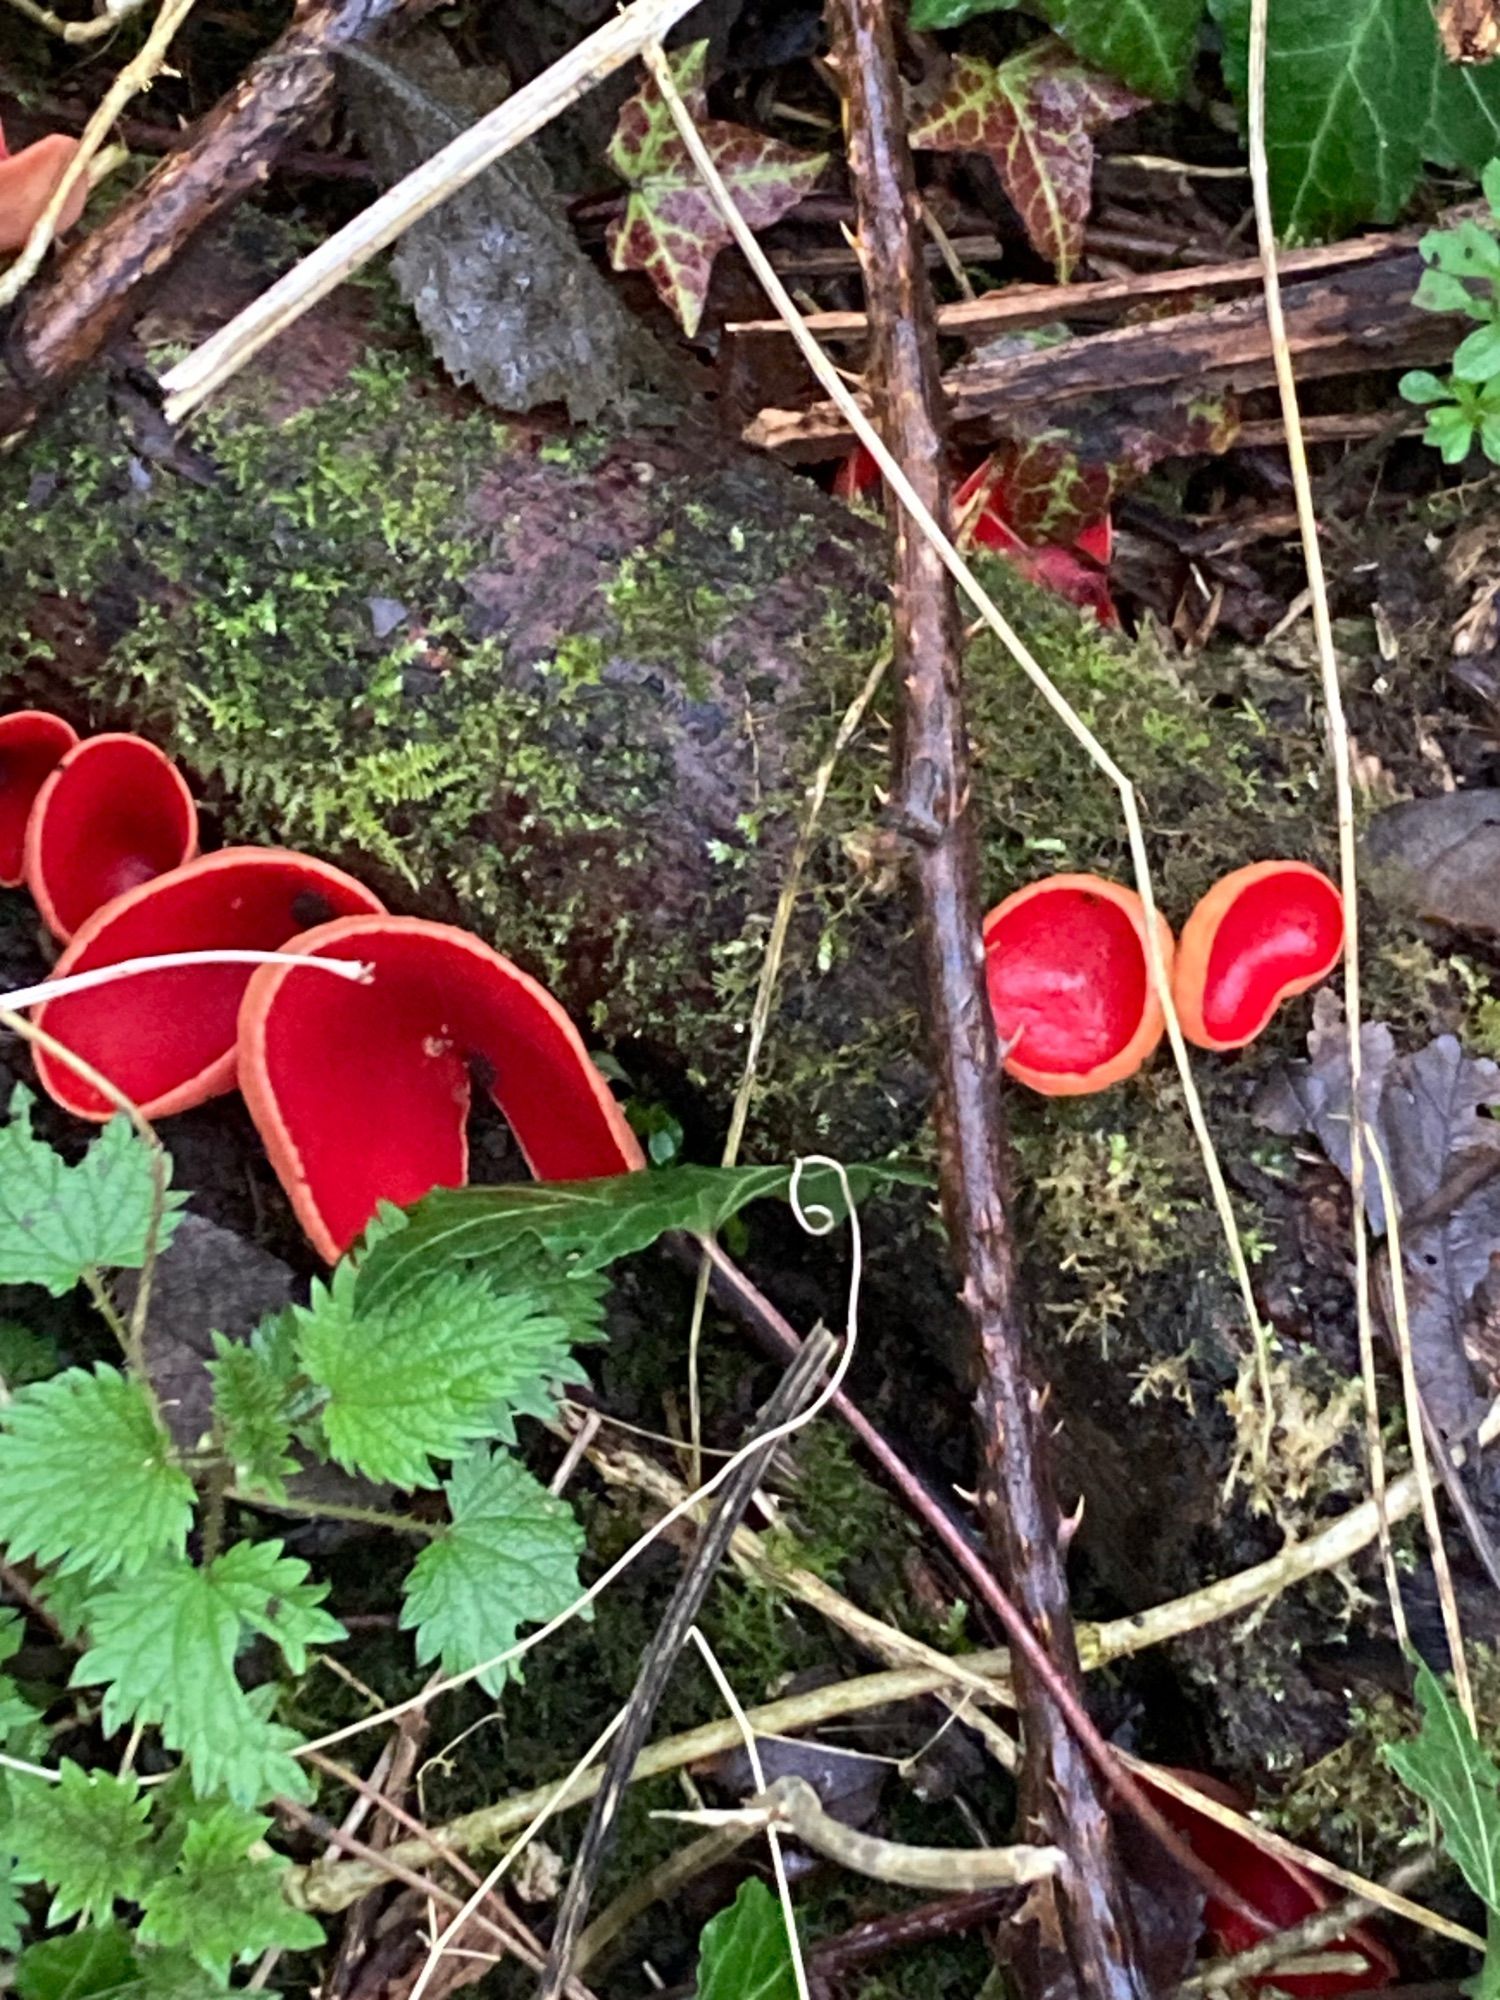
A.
x: 32, y: 743
x: 1067, y: 974
x: 114, y: 814
x: 361, y: 1093
x: 1280, y: 933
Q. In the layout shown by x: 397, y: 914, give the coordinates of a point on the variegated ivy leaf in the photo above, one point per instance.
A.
x: 1033, y: 114
x: 671, y: 229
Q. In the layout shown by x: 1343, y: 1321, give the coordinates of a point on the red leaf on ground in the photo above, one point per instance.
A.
x: 671, y: 229
x: 1033, y: 114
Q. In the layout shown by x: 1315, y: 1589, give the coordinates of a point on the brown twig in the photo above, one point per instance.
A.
x: 66, y: 320
x: 1059, y: 1789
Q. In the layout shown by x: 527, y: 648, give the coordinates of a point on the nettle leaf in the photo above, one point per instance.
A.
x: 1452, y: 1772
x: 591, y: 1224
x: 57, y: 1221
x: 12, y: 1908
x: 86, y: 1836
x: 257, y: 1401
x: 509, y: 1558
x: 223, y: 1902
x: 1033, y: 115
x: 77, y: 1966
x: 87, y: 1479
x: 424, y: 1376
x: 744, y: 1953
x: 671, y: 228
x: 163, y: 1647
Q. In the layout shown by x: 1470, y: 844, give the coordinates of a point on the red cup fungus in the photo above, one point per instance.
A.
x: 361, y: 1093
x: 167, y: 1039
x: 28, y: 180
x: 1261, y: 935
x: 114, y: 813
x: 1282, y: 1891
x: 32, y: 743
x: 1069, y: 974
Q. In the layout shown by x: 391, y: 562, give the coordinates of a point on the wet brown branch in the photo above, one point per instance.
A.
x: 1061, y: 1796
x: 64, y: 322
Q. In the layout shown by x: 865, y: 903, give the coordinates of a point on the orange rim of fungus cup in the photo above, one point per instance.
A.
x: 1263, y: 934
x: 1068, y: 967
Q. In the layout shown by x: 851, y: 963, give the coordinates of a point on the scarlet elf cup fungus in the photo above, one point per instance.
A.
x: 361, y: 1096
x: 1281, y: 1891
x: 167, y: 1039
x: 28, y: 180
x: 1261, y: 935
x: 114, y: 813
x: 1069, y: 973
x: 33, y: 742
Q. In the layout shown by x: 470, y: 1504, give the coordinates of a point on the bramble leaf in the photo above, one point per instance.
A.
x: 1452, y: 1772
x: 671, y: 228
x: 163, y: 1647
x: 425, y: 1376
x: 590, y: 1224
x: 57, y: 1221
x: 223, y: 1902
x: 510, y: 1558
x: 744, y: 1953
x: 1033, y: 115
x: 85, y: 1836
x: 86, y: 1476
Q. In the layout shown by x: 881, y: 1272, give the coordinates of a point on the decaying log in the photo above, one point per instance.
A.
x: 66, y: 319
x: 1346, y: 321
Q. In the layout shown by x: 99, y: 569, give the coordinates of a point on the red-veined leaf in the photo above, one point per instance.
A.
x: 671, y: 229
x: 1033, y: 114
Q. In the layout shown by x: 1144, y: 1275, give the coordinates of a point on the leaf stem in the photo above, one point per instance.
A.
x: 336, y: 1510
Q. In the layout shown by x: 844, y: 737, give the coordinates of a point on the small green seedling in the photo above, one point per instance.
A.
x: 1463, y: 275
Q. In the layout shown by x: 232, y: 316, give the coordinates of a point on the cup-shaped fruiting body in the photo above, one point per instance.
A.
x: 167, y: 1039
x: 1068, y: 965
x: 1262, y: 934
x: 28, y: 181
x: 361, y: 1094
x: 114, y: 813
x: 1280, y: 1891
x: 33, y: 742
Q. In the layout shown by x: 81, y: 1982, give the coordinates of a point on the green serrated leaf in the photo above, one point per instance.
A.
x: 25, y: 1356
x: 256, y: 1404
x: 12, y: 1908
x: 57, y: 1221
x: 85, y: 1836
x: 223, y: 1902
x: 423, y: 1377
x: 80, y: 1965
x: 1452, y: 1772
x: 593, y: 1223
x: 274, y: 1594
x: 163, y: 1648
x: 1348, y: 92
x: 510, y: 1558
x: 87, y: 1480
x: 671, y: 228
x: 1148, y: 44
x: 1033, y: 115
x: 744, y: 1953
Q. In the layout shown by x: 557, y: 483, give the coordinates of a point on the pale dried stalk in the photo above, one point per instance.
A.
x: 836, y: 389
x: 349, y: 249
x: 137, y: 75
x: 1340, y: 755
x: 79, y: 31
x: 1417, y: 1438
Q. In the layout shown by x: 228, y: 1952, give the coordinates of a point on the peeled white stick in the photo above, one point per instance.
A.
x: 102, y: 975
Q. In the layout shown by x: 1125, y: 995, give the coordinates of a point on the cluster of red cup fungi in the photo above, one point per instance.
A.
x: 360, y: 1091
x: 1068, y: 963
